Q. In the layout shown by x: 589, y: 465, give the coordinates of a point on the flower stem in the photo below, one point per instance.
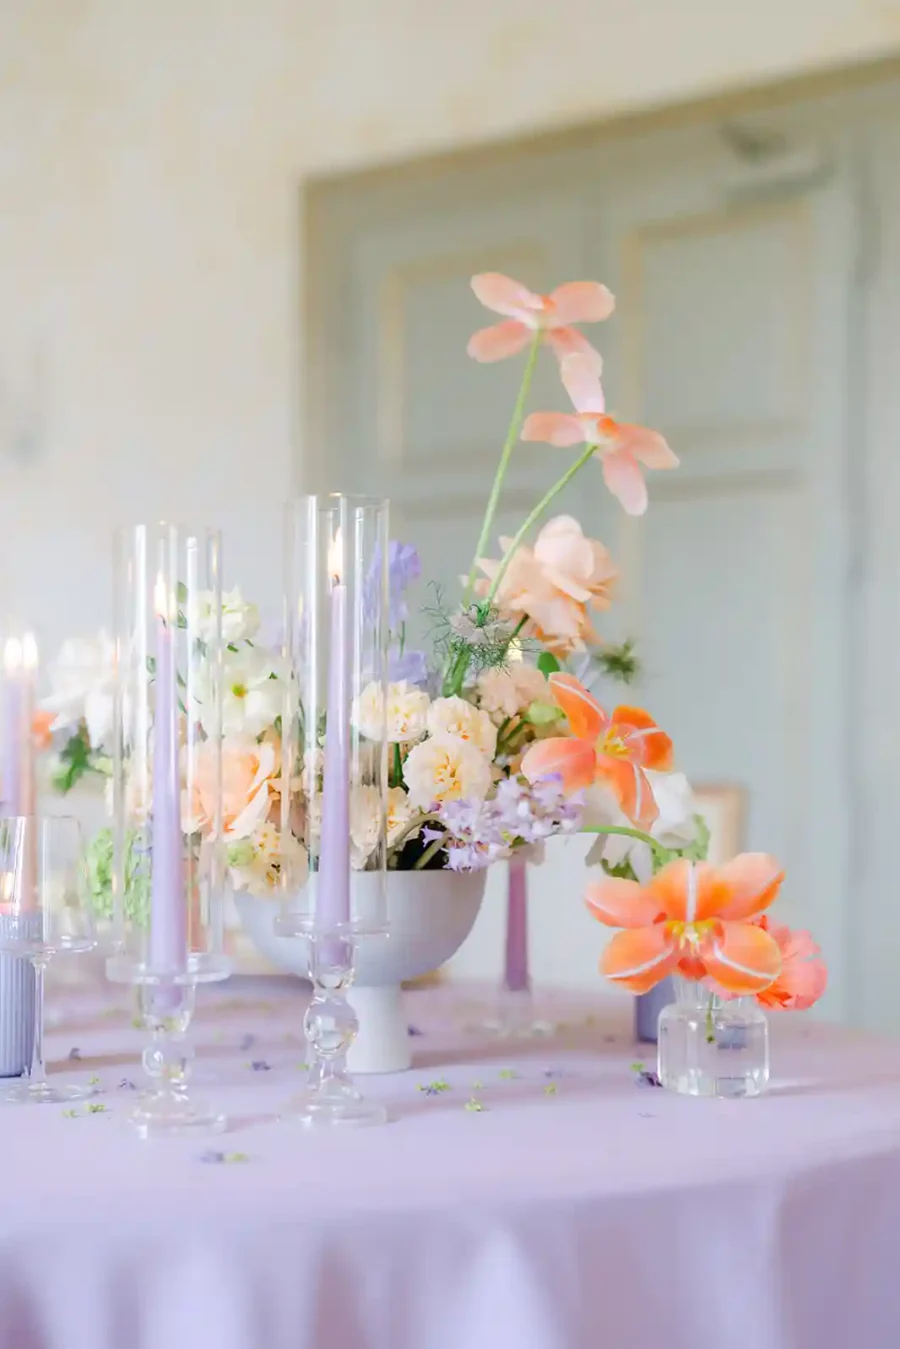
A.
x: 512, y: 436
x: 397, y: 773
x: 413, y: 827
x: 536, y: 515
x: 653, y: 844
x: 431, y: 851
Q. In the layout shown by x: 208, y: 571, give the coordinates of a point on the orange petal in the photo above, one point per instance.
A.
x: 569, y: 341
x: 582, y: 302
x: 631, y: 788
x: 42, y: 729
x: 741, y: 957
x: 498, y: 341
x: 503, y: 294
x: 649, y: 447
x: 753, y: 880
x: 689, y: 892
x: 639, y: 958
x: 557, y: 428
x: 586, y: 717
x: 621, y: 903
x: 573, y: 761
x: 582, y: 383
x: 646, y: 743
x: 625, y: 480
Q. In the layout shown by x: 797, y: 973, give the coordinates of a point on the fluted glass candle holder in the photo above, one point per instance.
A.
x: 168, y: 854
x: 334, y: 789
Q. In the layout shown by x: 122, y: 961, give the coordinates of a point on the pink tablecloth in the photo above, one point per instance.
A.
x: 577, y: 1210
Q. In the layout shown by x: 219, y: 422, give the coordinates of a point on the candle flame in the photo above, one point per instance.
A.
x: 161, y: 598
x: 12, y: 655
x: 29, y: 652
x: 336, y: 558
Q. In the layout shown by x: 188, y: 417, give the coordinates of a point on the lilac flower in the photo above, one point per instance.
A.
x: 520, y: 814
x: 403, y: 567
x: 409, y: 665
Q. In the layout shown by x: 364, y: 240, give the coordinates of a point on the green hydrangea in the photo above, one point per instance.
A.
x: 99, y: 860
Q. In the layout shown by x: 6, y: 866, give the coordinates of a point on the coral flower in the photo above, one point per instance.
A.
x: 528, y: 313
x: 554, y: 585
x: 692, y: 919
x: 621, y: 447
x: 803, y: 976
x: 613, y: 750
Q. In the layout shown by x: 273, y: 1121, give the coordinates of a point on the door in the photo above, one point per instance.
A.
x: 730, y: 335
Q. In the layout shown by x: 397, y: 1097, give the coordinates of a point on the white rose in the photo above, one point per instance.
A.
x: 456, y: 718
x: 240, y: 620
x: 445, y: 768
x: 366, y: 819
x: 674, y: 827
x: 252, y: 693
x: 83, y: 684
x: 403, y: 717
x: 256, y: 863
x: 400, y: 814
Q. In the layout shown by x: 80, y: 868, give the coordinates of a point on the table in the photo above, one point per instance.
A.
x: 576, y: 1210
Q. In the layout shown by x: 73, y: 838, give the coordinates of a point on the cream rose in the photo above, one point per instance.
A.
x: 531, y: 685
x: 405, y: 713
x: 498, y: 695
x: 445, y: 768
x: 256, y: 863
x: 365, y: 820
x: 456, y: 718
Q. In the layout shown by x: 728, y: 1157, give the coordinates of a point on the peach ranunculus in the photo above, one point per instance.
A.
x: 527, y: 313
x: 695, y: 920
x: 611, y: 750
x: 249, y: 768
x: 621, y: 446
x: 803, y: 976
x: 554, y: 585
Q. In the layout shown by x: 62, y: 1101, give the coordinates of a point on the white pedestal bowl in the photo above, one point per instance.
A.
x: 429, y: 914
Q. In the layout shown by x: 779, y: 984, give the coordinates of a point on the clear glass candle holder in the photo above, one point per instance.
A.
x: 168, y: 863
x: 45, y: 911
x: 334, y: 786
x: 710, y: 1046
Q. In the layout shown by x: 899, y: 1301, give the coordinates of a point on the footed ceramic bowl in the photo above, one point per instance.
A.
x: 429, y: 916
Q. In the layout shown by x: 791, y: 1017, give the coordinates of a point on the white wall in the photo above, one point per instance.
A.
x: 150, y: 160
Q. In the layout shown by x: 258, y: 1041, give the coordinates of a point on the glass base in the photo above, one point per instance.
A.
x: 170, y: 1116
x: 45, y: 1093
x: 344, y: 1110
x: 513, y: 1018
x: 712, y: 1048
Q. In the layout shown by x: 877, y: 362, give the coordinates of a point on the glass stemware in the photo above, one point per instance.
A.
x: 44, y: 912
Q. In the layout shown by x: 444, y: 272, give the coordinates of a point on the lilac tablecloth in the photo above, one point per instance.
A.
x: 577, y: 1210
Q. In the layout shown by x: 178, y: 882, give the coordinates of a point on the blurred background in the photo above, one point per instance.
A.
x: 235, y: 243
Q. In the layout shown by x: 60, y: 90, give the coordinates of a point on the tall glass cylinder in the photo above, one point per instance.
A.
x: 168, y: 848
x: 334, y: 794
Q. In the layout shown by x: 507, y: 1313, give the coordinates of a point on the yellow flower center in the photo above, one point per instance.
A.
x: 690, y: 934
x: 612, y: 743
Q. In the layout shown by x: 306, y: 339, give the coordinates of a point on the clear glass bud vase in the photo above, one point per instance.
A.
x: 711, y: 1046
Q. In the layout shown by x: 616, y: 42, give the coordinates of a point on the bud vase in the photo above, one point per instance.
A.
x: 712, y: 1046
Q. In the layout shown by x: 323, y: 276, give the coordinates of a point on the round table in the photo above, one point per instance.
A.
x: 576, y: 1209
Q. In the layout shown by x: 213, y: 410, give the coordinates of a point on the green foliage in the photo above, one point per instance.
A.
x: 542, y: 714
x: 99, y: 860
x: 77, y: 760
x: 619, y: 662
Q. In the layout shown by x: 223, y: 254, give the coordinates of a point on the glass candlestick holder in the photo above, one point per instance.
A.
x: 168, y: 864
x: 334, y: 784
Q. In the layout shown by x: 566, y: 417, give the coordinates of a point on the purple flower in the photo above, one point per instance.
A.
x: 411, y: 666
x: 403, y: 567
x: 519, y: 814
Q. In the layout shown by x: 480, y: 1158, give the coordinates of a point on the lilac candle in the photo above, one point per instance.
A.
x: 333, y: 892
x: 516, y: 979
x: 168, y: 914
x: 17, y: 764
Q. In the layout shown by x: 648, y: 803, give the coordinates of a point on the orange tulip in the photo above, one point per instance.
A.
x: 612, y: 750
x: 803, y: 976
x: 692, y: 919
x: 528, y: 313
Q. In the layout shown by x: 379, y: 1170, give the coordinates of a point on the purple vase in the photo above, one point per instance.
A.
x: 647, y: 1007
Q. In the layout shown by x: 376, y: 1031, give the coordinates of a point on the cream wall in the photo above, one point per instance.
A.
x: 151, y: 153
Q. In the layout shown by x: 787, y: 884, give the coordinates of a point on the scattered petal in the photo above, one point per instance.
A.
x: 434, y: 1088
x: 554, y: 1072
x: 260, y: 1066
x: 473, y: 1105
x: 212, y: 1158
x: 94, y: 1081
x: 70, y: 1114
x: 127, y: 1085
x: 302, y: 1067
x: 247, y: 1042
x: 414, y: 1030
x: 236, y: 1157
x: 551, y: 1089
x: 508, y: 1074
x: 648, y: 1080
x: 97, y: 1108
x: 74, y: 1055
x: 477, y: 1086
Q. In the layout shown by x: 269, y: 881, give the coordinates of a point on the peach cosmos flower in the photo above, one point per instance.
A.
x: 554, y: 584
x: 610, y: 750
x: 528, y: 313
x: 621, y: 446
x: 693, y: 919
x: 804, y: 975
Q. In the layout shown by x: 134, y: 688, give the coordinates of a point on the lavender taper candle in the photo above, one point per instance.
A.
x: 516, y: 978
x: 168, y: 913
x: 333, y: 892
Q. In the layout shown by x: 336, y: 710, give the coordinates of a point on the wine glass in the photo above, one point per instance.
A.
x: 44, y: 911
